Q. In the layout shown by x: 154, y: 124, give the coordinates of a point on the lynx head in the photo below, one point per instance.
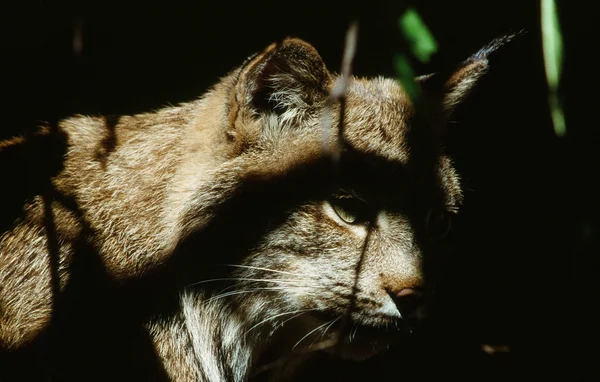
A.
x: 340, y: 256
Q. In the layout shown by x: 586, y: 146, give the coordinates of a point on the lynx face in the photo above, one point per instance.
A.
x: 346, y: 264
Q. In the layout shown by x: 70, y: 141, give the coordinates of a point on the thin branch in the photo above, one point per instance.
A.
x: 338, y: 94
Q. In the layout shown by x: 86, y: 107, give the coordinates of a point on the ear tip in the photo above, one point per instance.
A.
x: 295, y: 44
x: 494, y: 45
x: 295, y: 41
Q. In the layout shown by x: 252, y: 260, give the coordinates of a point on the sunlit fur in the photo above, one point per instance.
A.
x: 139, y: 189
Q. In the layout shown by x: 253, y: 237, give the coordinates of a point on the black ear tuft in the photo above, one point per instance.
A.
x: 451, y: 90
x: 495, y: 44
x: 461, y: 82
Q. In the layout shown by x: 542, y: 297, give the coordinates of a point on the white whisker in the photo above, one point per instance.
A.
x: 298, y: 315
x: 327, y: 328
x: 309, y: 333
x: 233, y: 293
x: 264, y: 269
x: 223, y: 295
x: 247, y: 279
x: 353, y: 332
x: 275, y: 316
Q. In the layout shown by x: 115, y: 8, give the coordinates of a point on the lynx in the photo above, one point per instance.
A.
x: 255, y: 226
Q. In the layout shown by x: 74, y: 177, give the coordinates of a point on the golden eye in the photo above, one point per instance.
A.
x: 350, y: 209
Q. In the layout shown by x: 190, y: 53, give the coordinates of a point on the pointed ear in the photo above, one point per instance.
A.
x: 288, y: 79
x: 449, y: 91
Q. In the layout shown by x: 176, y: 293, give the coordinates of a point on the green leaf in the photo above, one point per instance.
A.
x: 406, y: 76
x: 422, y: 43
x: 553, y: 56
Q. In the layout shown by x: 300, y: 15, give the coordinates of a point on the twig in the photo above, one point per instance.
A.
x: 338, y: 94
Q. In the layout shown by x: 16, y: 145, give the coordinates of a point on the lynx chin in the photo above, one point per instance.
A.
x: 209, y: 240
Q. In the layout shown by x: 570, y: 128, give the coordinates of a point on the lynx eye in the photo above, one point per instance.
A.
x: 439, y: 223
x: 350, y: 209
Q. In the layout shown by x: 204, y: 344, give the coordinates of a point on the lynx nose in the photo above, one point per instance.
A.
x: 409, y: 302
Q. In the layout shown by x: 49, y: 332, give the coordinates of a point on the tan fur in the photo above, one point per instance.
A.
x: 136, y: 189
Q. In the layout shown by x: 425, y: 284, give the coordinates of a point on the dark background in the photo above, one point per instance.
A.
x: 521, y: 273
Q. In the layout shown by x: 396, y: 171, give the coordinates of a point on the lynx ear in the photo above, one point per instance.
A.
x: 288, y: 79
x: 451, y: 90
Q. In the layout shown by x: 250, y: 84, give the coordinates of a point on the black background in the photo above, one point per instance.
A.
x: 520, y: 275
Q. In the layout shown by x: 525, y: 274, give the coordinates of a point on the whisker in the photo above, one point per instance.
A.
x: 327, y: 328
x: 264, y: 269
x: 213, y: 280
x: 223, y: 295
x: 353, y: 332
x: 289, y: 281
x: 233, y: 293
x: 309, y: 333
x: 275, y: 316
x: 246, y: 279
x: 298, y: 315
x: 289, y: 285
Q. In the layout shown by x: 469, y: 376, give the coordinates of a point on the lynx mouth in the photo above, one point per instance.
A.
x: 350, y: 339
x: 369, y: 324
x: 362, y: 342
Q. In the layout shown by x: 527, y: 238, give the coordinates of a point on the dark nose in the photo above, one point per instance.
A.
x: 409, y: 302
